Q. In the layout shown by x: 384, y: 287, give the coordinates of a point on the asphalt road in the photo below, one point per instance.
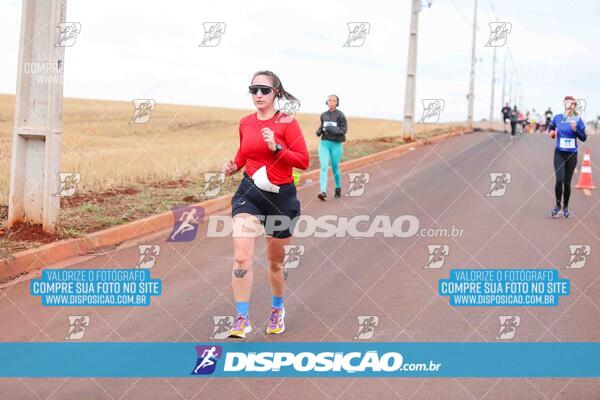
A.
x: 339, y: 279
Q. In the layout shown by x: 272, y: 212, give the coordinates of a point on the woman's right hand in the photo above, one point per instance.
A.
x: 229, y: 168
x: 553, y: 134
x: 574, y: 126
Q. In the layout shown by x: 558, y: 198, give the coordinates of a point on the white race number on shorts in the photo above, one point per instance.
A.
x: 566, y: 143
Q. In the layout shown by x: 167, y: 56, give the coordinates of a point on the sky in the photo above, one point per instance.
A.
x: 150, y: 49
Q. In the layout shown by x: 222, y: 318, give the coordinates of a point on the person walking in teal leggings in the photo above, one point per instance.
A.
x: 333, y: 133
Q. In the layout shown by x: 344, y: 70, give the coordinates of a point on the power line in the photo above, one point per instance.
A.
x: 467, y: 20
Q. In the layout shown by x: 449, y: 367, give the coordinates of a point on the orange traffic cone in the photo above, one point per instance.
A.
x: 585, y: 177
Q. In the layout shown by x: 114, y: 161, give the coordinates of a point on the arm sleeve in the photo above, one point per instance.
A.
x: 580, y: 132
x: 240, y: 158
x: 553, y: 124
x: 294, y: 151
x: 320, y: 130
x: 342, y: 124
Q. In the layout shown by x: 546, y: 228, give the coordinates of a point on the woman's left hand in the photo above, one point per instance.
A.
x: 269, y: 137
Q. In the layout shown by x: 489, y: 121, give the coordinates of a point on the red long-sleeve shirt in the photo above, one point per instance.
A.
x: 254, y: 151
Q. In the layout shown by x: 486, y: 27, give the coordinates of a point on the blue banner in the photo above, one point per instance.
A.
x: 300, y: 359
x: 504, y: 287
x: 95, y: 287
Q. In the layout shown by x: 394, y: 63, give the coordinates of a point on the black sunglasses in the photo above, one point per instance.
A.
x: 263, y: 89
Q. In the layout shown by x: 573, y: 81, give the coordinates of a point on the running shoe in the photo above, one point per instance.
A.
x: 566, y: 212
x: 240, y: 327
x: 338, y: 192
x: 276, y: 323
x: 322, y: 196
x: 555, y: 212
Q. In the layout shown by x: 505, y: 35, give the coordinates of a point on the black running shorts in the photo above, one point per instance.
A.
x: 266, y: 205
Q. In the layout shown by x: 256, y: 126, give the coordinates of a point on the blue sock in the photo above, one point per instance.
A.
x: 241, y: 307
x: 276, y: 301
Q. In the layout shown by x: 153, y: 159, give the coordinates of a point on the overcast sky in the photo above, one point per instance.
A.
x: 149, y: 49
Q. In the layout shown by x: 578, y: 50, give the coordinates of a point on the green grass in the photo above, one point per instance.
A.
x: 89, y: 208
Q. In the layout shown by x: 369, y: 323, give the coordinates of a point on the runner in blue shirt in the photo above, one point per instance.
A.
x: 566, y: 128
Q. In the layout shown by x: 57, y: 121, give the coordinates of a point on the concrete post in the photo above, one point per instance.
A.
x: 34, y: 177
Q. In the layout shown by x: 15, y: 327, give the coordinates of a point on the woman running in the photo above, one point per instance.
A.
x: 566, y: 128
x: 332, y: 132
x: 271, y: 144
x: 505, y: 112
x: 514, y: 119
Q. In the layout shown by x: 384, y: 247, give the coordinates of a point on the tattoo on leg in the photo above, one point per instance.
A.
x: 239, y: 273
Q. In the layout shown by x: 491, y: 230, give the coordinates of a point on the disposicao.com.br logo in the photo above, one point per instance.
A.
x: 329, y: 225
x: 253, y: 363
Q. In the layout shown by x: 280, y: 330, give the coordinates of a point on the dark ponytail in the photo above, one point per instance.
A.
x: 276, y: 82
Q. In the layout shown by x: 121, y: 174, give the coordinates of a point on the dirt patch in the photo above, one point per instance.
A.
x: 179, y: 183
x: 21, y: 236
x: 78, y: 199
x: 31, y: 233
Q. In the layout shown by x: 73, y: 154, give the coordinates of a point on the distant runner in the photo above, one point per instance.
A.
x: 333, y: 133
x: 514, y: 119
x: 534, y: 121
x: 566, y: 128
x: 505, y: 116
x: 548, y: 115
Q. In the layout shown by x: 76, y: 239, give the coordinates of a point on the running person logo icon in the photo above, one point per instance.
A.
x: 498, y: 34
x: 432, y: 109
x: 580, y: 106
x: 212, y: 183
x: 293, y: 254
x: 212, y: 34
x: 288, y: 109
x: 148, y: 255
x: 358, y: 183
x: 499, y: 184
x: 291, y: 260
x: 187, y: 220
x: 207, y: 359
x: 357, y: 33
x: 67, y: 33
x: 77, y: 326
x: 68, y: 183
x: 579, y: 254
x: 366, y: 326
x: 437, y: 255
x: 222, y: 325
x: 142, y: 110
x: 508, y: 326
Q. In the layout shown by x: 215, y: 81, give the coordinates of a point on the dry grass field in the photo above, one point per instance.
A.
x: 178, y: 142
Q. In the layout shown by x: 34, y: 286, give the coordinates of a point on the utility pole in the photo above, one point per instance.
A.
x: 504, y: 79
x: 471, y: 94
x: 411, y: 74
x: 510, y: 88
x: 34, y: 174
x: 493, y: 89
x: 521, y: 96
